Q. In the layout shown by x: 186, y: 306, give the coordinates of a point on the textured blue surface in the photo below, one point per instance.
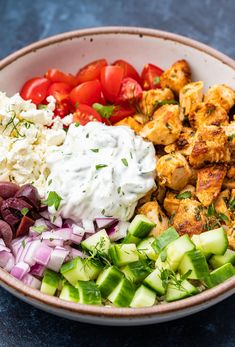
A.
x: 22, y: 22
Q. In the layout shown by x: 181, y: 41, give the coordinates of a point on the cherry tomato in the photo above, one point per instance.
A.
x: 55, y: 75
x: 35, y: 89
x: 87, y: 93
x: 150, y: 76
x: 121, y: 112
x: 59, y: 90
x: 111, y: 78
x: 91, y: 71
x: 130, y: 91
x: 85, y: 114
x: 129, y: 70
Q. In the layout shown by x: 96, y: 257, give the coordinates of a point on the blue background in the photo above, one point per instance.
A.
x: 22, y: 22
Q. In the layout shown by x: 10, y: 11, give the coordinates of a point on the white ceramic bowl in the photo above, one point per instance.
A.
x: 139, y: 46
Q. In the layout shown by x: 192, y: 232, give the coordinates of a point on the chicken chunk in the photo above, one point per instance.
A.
x: 172, y: 200
x: 176, y: 77
x: 183, y: 144
x: 132, y: 123
x: 221, y: 94
x: 165, y: 127
x: 220, y: 204
x: 153, y: 211
x: 210, y: 146
x: 209, y: 183
x: 191, y: 94
x: 173, y: 171
x: 207, y: 114
x: 230, y: 133
x: 152, y: 97
x: 231, y: 237
x: 189, y: 218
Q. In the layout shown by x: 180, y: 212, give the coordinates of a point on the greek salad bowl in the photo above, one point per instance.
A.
x: 117, y: 175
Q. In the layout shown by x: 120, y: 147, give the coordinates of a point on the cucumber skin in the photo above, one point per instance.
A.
x: 125, y: 294
x: 50, y: 282
x: 164, y: 239
x: 174, y: 294
x: 221, y: 274
x: 131, y: 239
x: 69, y: 293
x: 136, y: 271
x: 207, y: 243
x: 88, y: 245
x: 88, y: 293
x: 117, y: 253
x: 144, y: 297
x: 114, y: 277
x: 200, y: 269
x: 74, y: 271
x: 220, y: 260
x: 141, y: 226
x: 149, y: 252
x: 155, y: 283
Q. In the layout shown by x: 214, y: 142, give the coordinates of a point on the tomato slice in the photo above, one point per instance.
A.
x: 55, y: 75
x: 91, y: 71
x: 129, y: 70
x: 130, y: 91
x: 85, y: 114
x: 150, y: 76
x: 121, y: 112
x: 35, y: 89
x: 87, y: 93
x: 111, y: 78
x: 59, y: 90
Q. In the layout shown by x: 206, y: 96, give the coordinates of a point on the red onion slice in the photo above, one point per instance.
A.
x: 57, y: 258
x: 103, y: 223
x: 31, y: 281
x: 42, y: 255
x: 37, y: 270
x: 20, y: 270
x: 118, y: 231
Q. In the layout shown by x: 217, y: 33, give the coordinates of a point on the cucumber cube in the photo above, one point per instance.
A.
x: 137, y: 271
x: 213, y: 241
x: 123, y: 254
x: 88, y: 293
x: 146, y: 249
x: 123, y: 294
x: 177, y: 292
x: 164, y: 239
x: 92, y: 268
x: 141, y: 226
x: 99, y: 241
x: 69, y: 293
x: 219, y: 260
x: 131, y: 239
x: 50, y: 282
x: 196, y: 262
x: 154, y: 282
x: 222, y: 274
x: 108, y: 280
x: 74, y: 271
x: 176, y: 250
x: 144, y: 297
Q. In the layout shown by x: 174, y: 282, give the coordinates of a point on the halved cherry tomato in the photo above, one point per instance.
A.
x: 130, y: 91
x: 87, y: 93
x: 35, y: 89
x: 55, y: 75
x: 91, y: 71
x: 129, y: 70
x: 85, y: 114
x: 59, y: 90
x: 121, y: 112
x: 111, y: 78
x: 150, y: 76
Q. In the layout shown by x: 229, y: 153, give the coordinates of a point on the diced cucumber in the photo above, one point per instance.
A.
x: 176, y: 250
x: 197, y: 241
x: 164, y: 239
x: 140, y: 226
x: 50, y: 282
x: 154, y: 282
x: 99, y: 241
x: 88, y: 293
x: 74, y: 271
x: 144, y: 297
x: 213, y: 241
x: 92, y: 268
x: 219, y: 260
x: 180, y: 291
x: 69, y: 293
x: 108, y: 280
x: 123, y: 254
x: 137, y: 271
x: 123, y: 294
x: 131, y: 239
x: 222, y: 274
x: 194, y: 261
x: 145, y: 248
x: 161, y: 263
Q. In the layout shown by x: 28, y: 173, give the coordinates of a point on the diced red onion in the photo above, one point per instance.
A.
x: 29, y: 255
x: 119, y: 231
x: 53, y: 242
x: 57, y: 258
x: 10, y: 263
x: 37, y: 270
x: 17, y: 243
x: 57, y: 222
x: 20, y: 270
x: 31, y: 281
x: 88, y: 225
x: 45, y: 214
x: 74, y: 253
x: 60, y: 234
x: 3, y: 248
x: 78, y: 230
x: 103, y: 223
x: 87, y: 235
x: 42, y: 255
x: 76, y: 239
x: 4, y: 258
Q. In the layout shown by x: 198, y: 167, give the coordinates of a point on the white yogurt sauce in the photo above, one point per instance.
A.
x: 100, y: 171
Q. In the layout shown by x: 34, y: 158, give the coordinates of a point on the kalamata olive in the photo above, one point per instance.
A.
x: 24, y: 226
x: 11, y: 210
x: 30, y: 194
x: 6, y: 233
x: 8, y: 189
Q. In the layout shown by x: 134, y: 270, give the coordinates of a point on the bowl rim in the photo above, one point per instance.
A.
x: 103, y: 311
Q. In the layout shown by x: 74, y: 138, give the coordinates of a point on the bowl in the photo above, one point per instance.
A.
x: 69, y: 52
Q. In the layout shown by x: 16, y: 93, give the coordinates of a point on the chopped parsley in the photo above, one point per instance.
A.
x: 39, y: 229
x: 42, y: 107
x: 124, y: 161
x: 156, y: 80
x: 77, y: 124
x: 184, y: 195
x: 23, y: 243
x: 100, y: 166
x: 76, y: 104
x: 95, y: 150
x: 119, y: 190
x: 50, y: 182
x: 104, y: 111
x: 53, y: 199
x: 24, y: 211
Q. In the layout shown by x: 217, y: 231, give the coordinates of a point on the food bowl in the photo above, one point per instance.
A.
x: 72, y: 50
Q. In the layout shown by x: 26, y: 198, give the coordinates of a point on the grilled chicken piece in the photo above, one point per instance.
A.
x: 230, y: 133
x: 211, y: 146
x: 209, y: 183
x: 165, y: 127
x: 183, y: 144
x: 221, y: 94
x: 191, y: 94
x: 172, y: 200
x: 207, y: 114
x: 153, y: 211
x: 189, y: 218
x: 176, y: 77
x: 231, y: 237
x: 220, y: 204
x: 132, y: 123
x: 152, y: 97
x: 173, y: 171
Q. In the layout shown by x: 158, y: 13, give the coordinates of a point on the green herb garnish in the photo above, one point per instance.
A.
x: 95, y: 150
x: 184, y: 195
x: 125, y: 162
x: 104, y: 111
x: 53, y: 199
x: 77, y: 124
x: 156, y: 80
x: 39, y: 229
x: 42, y: 107
x: 100, y: 166
x: 24, y: 211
